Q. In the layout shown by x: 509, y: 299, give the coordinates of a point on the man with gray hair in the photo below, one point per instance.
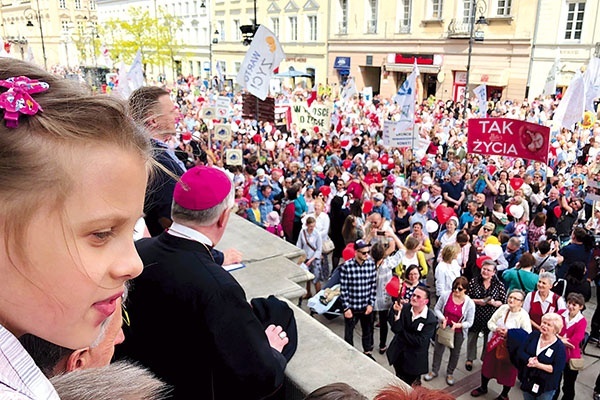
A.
x: 185, y: 305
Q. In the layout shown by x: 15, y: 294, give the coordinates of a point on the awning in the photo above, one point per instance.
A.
x: 425, y: 69
x: 342, y: 63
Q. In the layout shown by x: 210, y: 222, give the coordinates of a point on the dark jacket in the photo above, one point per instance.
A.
x: 185, y: 306
x: 555, y: 355
x: 409, y: 350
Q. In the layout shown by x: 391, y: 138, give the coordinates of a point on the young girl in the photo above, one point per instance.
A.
x: 74, y: 172
x: 274, y: 224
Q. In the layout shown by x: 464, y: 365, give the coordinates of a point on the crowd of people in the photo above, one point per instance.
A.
x: 494, y: 237
x: 491, y: 245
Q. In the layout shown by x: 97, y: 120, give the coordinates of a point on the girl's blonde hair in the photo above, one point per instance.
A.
x: 37, y: 157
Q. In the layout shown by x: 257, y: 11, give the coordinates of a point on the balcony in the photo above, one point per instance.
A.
x: 458, y: 29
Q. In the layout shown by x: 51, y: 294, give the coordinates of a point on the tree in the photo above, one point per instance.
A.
x: 154, y: 37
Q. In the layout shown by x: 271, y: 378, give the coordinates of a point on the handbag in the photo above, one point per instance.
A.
x: 327, y: 246
x: 498, y: 344
x: 576, y: 364
x: 445, y: 336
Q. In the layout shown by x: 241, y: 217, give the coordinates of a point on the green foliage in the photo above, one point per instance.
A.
x: 154, y: 37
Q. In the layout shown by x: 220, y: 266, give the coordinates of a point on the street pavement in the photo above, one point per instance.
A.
x: 467, y: 381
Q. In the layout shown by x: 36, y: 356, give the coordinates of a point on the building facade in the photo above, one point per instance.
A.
x: 51, y: 33
x: 378, y: 41
x: 567, y: 32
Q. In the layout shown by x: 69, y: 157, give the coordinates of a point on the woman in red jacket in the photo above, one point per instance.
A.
x: 572, y: 335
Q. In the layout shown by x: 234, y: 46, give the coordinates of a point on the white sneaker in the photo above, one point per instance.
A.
x: 430, y: 376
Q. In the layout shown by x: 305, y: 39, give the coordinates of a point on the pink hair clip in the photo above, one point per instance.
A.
x: 17, y: 99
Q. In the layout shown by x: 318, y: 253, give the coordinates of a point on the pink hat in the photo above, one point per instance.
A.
x: 201, y: 188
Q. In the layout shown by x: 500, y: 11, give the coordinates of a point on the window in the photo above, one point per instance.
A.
x: 92, y: 4
x: 78, y: 4
x: 436, y: 9
x: 312, y: 23
x: 293, y: 28
x: 237, y: 34
x: 372, y: 21
x: 504, y: 7
x: 574, y: 20
x: 405, y: 11
x: 80, y: 28
x: 237, y: 66
x: 62, y: 4
x: 466, y: 11
x: 65, y: 26
x: 275, y: 26
x: 221, y: 25
x: 343, y: 27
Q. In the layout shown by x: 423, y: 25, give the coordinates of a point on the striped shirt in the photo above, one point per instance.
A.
x: 20, y: 378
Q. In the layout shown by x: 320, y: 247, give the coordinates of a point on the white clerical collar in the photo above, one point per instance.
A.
x: 185, y: 232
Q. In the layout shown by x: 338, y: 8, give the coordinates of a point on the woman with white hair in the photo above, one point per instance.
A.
x: 544, y: 357
x: 543, y: 300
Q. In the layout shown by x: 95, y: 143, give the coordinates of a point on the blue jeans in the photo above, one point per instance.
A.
x: 542, y: 396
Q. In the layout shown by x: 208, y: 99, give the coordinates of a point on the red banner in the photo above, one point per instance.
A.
x: 508, y: 137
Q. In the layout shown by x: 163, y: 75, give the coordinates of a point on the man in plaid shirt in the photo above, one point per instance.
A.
x: 358, y: 279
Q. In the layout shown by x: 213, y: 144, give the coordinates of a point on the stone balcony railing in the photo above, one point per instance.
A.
x: 322, y: 357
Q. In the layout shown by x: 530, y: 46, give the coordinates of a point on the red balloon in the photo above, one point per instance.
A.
x: 346, y: 164
x: 186, y: 136
x: 491, y: 169
x: 557, y: 211
x: 443, y: 213
x: 391, y: 165
x: 348, y: 252
x: 481, y: 259
x: 344, y: 142
x: 316, y: 129
x: 326, y: 190
x: 384, y: 159
x: 367, y: 206
x: 393, y: 286
x: 257, y: 139
x: 516, y: 182
x: 508, y: 210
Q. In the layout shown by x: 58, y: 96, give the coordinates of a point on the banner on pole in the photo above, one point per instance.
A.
x: 508, y: 137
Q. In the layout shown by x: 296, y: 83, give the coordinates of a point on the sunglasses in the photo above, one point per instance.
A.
x: 460, y: 289
x: 487, y: 229
x: 363, y: 252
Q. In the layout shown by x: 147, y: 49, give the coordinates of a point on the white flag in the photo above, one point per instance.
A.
x: 571, y: 107
x: 591, y: 80
x: 550, y: 86
x: 349, y: 90
x: 481, y: 94
x: 122, y: 88
x: 135, y: 76
x: 263, y: 56
x: 220, y: 74
x: 405, y: 98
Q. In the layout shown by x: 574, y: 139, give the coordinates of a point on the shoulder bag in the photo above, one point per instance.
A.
x: 445, y: 336
x: 327, y: 246
x: 576, y: 364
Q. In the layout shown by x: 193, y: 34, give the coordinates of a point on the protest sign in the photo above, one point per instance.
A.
x: 508, y: 137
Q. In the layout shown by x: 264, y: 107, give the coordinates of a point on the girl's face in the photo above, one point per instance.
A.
x: 66, y: 282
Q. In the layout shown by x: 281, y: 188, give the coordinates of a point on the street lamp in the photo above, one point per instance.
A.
x: 30, y: 14
x: 478, y: 7
x: 211, y: 40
